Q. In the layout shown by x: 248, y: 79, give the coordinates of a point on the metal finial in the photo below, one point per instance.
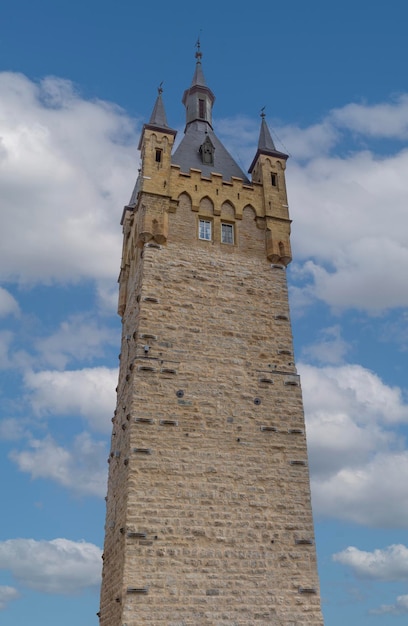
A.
x: 198, y: 54
x: 160, y: 88
x: 262, y: 113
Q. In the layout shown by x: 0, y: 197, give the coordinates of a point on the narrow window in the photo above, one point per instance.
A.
x: 227, y: 233
x: 201, y: 108
x: 204, y: 230
x: 274, y: 180
x: 158, y: 156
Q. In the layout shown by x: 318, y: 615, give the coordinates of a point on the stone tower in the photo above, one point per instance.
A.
x: 209, y: 518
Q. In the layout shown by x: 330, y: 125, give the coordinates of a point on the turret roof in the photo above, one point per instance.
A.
x: 266, y: 145
x: 158, y: 116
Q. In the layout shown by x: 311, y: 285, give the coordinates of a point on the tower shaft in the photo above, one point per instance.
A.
x: 209, y: 518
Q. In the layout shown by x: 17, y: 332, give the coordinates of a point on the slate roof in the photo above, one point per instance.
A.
x: 158, y: 116
x: 188, y: 153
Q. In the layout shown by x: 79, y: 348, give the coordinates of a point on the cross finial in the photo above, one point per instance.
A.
x: 160, y: 88
x: 262, y: 113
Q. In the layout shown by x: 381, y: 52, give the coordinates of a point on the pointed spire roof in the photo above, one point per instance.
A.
x: 198, y: 78
x: 265, y: 141
x: 266, y: 144
x: 158, y: 120
x: 158, y: 116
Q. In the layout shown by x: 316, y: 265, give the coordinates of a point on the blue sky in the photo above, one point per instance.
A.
x: 77, y: 80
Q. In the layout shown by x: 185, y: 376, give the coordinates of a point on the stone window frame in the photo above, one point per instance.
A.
x: 208, y: 230
x: 230, y: 228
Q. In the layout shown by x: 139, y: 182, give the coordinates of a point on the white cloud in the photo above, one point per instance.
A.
x: 371, y: 494
x: 390, y: 564
x: 7, y: 594
x: 67, y: 168
x: 89, y: 392
x: 78, y: 338
x: 308, y: 143
x: 81, y: 469
x: 12, y: 429
x: 8, y: 304
x: 59, y: 566
x: 352, y: 389
x: 107, y: 293
x: 399, y: 608
x: 331, y: 349
x: 356, y: 460
x: 378, y: 120
x: 6, y: 338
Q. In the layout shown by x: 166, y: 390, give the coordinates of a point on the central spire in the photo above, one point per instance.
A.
x: 198, y: 99
x: 200, y: 148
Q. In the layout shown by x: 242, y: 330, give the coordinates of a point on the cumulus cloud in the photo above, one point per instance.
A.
x: 12, y: 429
x: 331, y: 349
x: 67, y: 168
x: 8, y: 304
x: 399, y: 608
x: 386, y: 120
x: 390, y: 564
x: 82, y: 469
x: 89, y: 392
x: 7, y: 594
x: 372, y: 493
x: 79, y: 338
x: 387, y: 565
x: 59, y: 566
x: 6, y: 338
x: 356, y: 460
x: 352, y: 389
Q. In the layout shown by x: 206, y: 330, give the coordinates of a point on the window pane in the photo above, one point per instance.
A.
x: 227, y: 233
x: 204, y: 231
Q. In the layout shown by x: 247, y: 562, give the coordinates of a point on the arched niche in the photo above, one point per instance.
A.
x: 182, y: 222
x: 227, y: 210
x: 206, y: 206
x: 185, y: 201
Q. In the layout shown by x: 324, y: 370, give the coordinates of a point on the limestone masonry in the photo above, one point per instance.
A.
x: 209, y: 519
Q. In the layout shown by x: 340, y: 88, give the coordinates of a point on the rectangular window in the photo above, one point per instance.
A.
x: 227, y: 233
x: 158, y: 156
x: 204, y: 230
x: 274, y: 180
x: 201, y: 108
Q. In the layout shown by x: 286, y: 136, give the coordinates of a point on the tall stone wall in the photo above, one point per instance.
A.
x: 208, y: 513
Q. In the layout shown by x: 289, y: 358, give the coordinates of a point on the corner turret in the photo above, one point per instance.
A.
x: 268, y: 169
